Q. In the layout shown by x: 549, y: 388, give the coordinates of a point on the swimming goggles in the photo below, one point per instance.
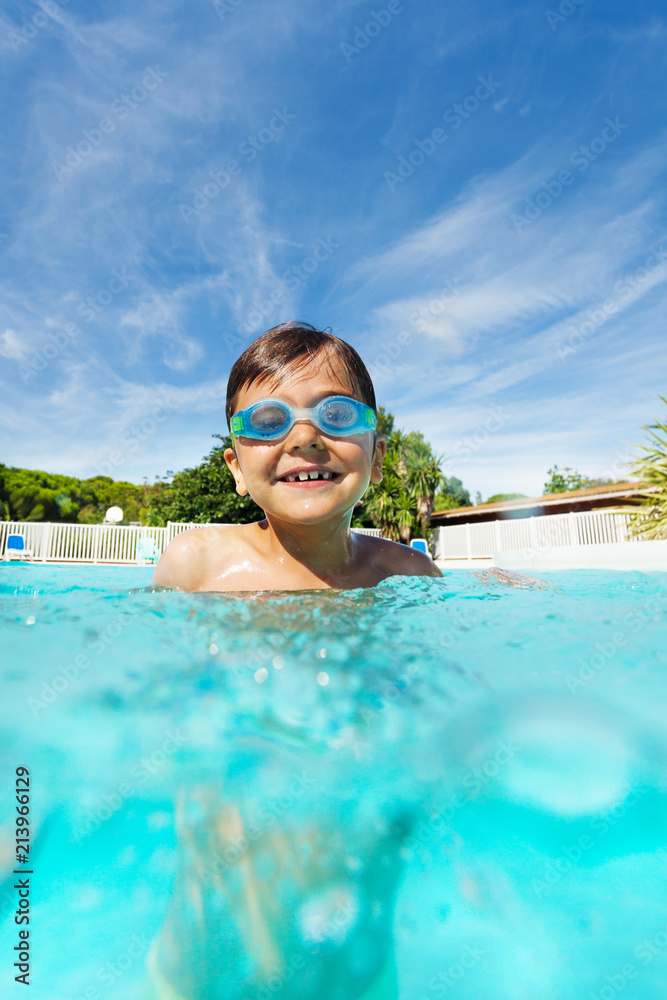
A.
x: 270, y: 419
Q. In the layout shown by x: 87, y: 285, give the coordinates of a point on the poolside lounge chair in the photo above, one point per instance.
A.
x: 420, y: 544
x: 147, y: 552
x: 16, y: 549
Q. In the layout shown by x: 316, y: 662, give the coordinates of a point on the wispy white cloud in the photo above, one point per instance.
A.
x: 11, y: 346
x: 201, y: 289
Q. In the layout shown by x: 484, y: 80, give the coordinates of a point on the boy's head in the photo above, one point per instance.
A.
x: 287, y: 349
x: 302, y: 366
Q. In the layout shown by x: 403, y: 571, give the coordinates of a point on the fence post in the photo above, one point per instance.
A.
x: 532, y: 533
x: 572, y: 528
x: 496, y: 535
x: 468, y: 543
x: 46, y: 542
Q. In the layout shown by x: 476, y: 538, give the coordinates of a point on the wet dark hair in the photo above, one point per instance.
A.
x: 284, y: 350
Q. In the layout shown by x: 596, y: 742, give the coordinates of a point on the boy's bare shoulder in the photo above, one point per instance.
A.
x: 186, y: 560
x: 397, y: 559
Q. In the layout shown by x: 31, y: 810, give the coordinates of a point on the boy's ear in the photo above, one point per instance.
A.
x: 232, y: 461
x: 379, y: 451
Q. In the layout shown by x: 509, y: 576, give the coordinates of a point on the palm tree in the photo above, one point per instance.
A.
x: 405, y: 515
x: 411, y: 476
x: 651, y: 520
x: 424, y: 478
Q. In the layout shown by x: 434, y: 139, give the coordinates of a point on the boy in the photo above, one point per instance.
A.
x: 306, y: 456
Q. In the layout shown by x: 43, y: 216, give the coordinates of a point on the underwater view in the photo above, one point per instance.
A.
x: 431, y: 788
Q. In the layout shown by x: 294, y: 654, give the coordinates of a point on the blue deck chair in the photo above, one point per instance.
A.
x: 147, y: 551
x: 15, y: 548
x: 420, y: 544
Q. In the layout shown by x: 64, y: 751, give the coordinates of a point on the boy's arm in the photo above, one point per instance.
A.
x: 182, y: 563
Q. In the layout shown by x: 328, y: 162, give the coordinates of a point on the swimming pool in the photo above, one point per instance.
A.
x: 282, y: 795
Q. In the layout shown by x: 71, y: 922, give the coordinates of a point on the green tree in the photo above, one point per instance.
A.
x: 451, y: 494
x: 203, y: 494
x: 388, y: 505
x: 424, y: 476
x: 385, y: 421
x: 499, y: 497
x: 650, y: 521
x: 4, y: 501
x: 412, y: 484
x: 33, y: 495
x: 562, y: 481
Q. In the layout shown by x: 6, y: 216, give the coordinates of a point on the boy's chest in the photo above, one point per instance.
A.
x: 247, y: 571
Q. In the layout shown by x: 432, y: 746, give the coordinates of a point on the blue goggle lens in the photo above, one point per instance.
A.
x: 269, y: 419
x: 338, y: 414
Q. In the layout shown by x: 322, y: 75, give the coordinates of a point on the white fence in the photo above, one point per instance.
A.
x: 483, y: 540
x: 109, y: 544
x: 131, y: 544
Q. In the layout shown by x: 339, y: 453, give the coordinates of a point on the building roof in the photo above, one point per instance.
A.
x: 591, y: 495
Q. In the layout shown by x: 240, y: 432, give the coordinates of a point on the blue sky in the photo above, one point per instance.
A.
x: 472, y: 194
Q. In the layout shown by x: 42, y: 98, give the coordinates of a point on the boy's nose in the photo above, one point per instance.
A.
x: 304, y: 433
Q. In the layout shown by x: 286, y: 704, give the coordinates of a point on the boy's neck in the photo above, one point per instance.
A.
x: 328, y: 546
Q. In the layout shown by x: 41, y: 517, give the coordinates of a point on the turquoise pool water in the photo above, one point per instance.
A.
x: 290, y: 795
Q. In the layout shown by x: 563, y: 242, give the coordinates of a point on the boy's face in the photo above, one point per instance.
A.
x: 259, y: 466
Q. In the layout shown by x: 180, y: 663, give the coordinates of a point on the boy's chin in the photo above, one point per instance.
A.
x: 314, y: 512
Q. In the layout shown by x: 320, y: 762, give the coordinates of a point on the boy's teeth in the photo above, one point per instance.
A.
x: 301, y: 476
